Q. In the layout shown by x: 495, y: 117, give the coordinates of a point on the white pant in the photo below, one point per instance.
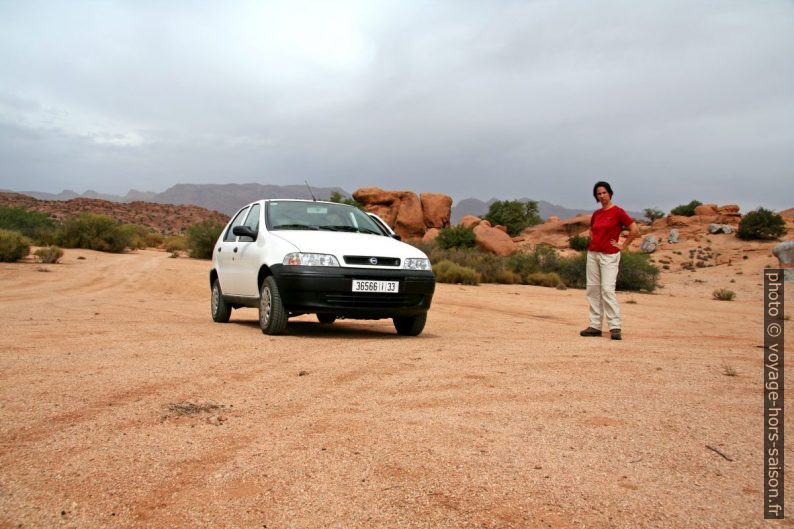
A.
x: 602, y: 272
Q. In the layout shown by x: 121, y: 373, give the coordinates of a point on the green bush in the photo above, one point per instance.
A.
x: 723, y: 294
x: 544, y: 279
x: 32, y: 224
x: 337, y: 197
x: 449, y: 272
x: 513, y: 215
x: 175, y: 244
x: 201, y: 238
x: 637, y: 272
x: 687, y: 210
x: 455, y: 237
x: 653, y: 214
x: 48, y: 255
x: 13, y: 246
x: 579, y: 242
x: 761, y: 224
x: 93, y: 232
x: 141, y: 237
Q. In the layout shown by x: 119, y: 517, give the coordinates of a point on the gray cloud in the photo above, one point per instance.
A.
x: 669, y: 101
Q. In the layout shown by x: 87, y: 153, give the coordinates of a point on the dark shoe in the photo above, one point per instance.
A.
x: 615, y: 334
x: 590, y: 332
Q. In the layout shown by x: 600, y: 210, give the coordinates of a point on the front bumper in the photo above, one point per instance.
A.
x: 329, y: 290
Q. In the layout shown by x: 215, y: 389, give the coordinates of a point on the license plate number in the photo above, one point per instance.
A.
x: 388, y: 287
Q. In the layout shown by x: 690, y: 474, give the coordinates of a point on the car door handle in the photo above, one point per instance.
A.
x: 219, y: 249
x: 235, y: 249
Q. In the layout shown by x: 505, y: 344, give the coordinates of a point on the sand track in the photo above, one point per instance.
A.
x: 498, y: 416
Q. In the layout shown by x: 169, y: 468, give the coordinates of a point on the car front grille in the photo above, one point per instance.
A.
x: 367, y: 260
x: 374, y: 300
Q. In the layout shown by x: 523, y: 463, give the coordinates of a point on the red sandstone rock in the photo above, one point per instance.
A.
x: 706, y: 209
x: 470, y: 221
x: 436, y: 209
x: 492, y: 240
x: 500, y: 227
x: 431, y: 234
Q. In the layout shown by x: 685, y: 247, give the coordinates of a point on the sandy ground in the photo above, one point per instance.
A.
x: 498, y: 416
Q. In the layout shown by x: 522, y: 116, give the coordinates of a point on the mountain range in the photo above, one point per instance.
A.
x: 228, y: 198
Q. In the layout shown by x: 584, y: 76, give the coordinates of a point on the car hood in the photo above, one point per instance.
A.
x: 343, y: 243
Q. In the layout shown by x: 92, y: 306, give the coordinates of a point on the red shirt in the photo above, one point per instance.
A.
x: 605, y: 226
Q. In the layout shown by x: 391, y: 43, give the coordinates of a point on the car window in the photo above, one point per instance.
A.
x: 238, y: 220
x: 296, y: 215
x: 252, y: 221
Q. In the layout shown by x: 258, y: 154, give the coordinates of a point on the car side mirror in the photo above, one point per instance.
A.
x: 244, y: 231
x: 395, y: 236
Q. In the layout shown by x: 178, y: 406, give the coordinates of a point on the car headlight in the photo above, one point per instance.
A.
x: 416, y: 263
x: 310, y: 259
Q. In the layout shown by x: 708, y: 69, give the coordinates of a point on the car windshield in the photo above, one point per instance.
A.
x: 296, y: 215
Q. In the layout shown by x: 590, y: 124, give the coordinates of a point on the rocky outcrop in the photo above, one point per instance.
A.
x: 431, y: 235
x: 557, y: 232
x: 649, y: 244
x: 785, y: 255
x: 470, y: 221
x: 706, y: 209
x: 672, y: 237
x: 493, y: 240
x: 407, y: 214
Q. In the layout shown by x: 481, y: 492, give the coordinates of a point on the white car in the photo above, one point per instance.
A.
x: 292, y: 257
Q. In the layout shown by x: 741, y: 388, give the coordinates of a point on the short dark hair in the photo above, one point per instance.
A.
x: 605, y: 186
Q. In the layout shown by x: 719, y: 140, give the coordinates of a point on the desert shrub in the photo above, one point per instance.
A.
x: 93, y: 232
x: 579, y: 242
x: 513, y: 215
x: 723, y: 294
x: 653, y: 214
x: 449, y: 272
x: 175, y: 244
x: 201, y: 238
x: 141, y: 237
x: 573, y: 270
x: 337, y: 197
x: 687, y: 210
x: 637, y: 272
x: 455, y: 237
x: 761, y: 224
x: 13, y: 246
x: 544, y: 279
x: 32, y: 224
x: 48, y: 255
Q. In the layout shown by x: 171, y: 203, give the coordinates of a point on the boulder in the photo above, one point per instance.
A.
x: 715, y: 228
x: 553, y: 218
x: 673, y: 236
x: 649, y: 244
x: 402, y: 210
x: 436, y: 209
x: 556, y: 233
x: 431, y: 234
x: 500, y: 227
x: 726, y: 229
x: 410, y: 223
x: 728, y: 209
x: 785, y: 255
x: 470, y: 221
x: 375, y: 195
x: 706, y: 209
x: 679, y: 221
x: 490, y: 239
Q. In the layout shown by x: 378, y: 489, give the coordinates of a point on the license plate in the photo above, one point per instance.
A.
x: 388, y: 287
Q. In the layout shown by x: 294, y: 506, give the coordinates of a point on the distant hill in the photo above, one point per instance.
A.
x: 226, y: 198
x: 478, y: 208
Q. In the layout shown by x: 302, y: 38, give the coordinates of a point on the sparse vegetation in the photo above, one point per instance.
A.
x: 175, y: 244
x: 141, y: 237
x: 514, y: 215
x: 544, y: 279
x: 93, y: 232
x: 579, y: 242
x: 723, y: 294
x: 763, y: 224
x: 48, y: 255
x: 687, y: 210
x: 653, y: 214
x: 32, y: 224
x: 449, y: 272
x: 201, y: 238
x: 455, y: 237
x: 337, y: 197
x: 13, y: 246
x: 193, y: 408
x: 729, y: 371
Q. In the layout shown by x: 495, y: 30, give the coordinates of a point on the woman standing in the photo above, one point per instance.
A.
x: 603, y: 259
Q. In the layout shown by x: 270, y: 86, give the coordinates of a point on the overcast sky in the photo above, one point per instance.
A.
x: 667, y: 100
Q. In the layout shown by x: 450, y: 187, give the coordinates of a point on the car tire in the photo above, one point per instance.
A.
x: 272, y: 316
x: 326, y: 318
x: 220, y: 310
x: 410, y: 325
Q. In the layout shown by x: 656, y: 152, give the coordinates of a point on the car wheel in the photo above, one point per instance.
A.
x: 221, y: 311
x: 410, y: 325
x: 326, y: 318
x: 272, y: 316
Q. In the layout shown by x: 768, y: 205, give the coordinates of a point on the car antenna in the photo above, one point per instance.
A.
x: 310, y: 190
